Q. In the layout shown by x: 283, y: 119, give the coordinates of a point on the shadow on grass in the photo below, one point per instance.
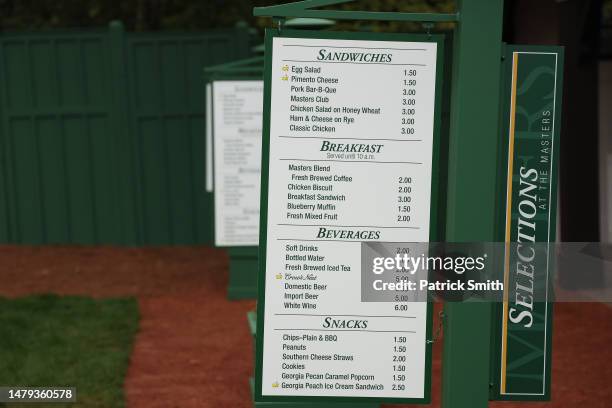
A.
x: 70, y: 341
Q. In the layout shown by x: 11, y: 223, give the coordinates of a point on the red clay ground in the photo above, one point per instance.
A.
x: 194, y: 348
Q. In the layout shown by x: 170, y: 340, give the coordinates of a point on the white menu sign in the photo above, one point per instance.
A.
x: 350, y: 160
x: 237, y: 120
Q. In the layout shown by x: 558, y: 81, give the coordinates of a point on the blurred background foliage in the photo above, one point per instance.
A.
x: 152, y: 15
x: 198, y: 15
x: 607, y: 12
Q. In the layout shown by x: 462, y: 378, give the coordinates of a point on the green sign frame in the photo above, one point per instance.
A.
x: 437, y: 210
x: 532, y: 90
x: 314, y: 9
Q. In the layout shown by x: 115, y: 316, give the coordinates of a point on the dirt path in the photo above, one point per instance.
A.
x: 194, y: 350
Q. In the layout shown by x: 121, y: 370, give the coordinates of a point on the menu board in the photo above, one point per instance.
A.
x: 237, y: 120
x: 349, y: 157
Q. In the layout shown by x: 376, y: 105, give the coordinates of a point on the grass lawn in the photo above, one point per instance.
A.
x: 73, y: 341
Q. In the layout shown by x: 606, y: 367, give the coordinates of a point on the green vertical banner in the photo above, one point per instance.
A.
x: 527, y: 211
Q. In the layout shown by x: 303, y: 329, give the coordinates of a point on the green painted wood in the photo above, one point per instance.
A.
x: 28, y: 203
x: 102, y: 135
x: 125, y: 190
x: 253, y: 65
x: 473, y: 146
x: 167, y: 102
x: 14, y: 97
x: 308, y: 9
x: 5, y: 227
x: 54, y: 186
x: 78, y: 177
x: 243, y: 269
x: 54, y: 86
x: 103, y: 187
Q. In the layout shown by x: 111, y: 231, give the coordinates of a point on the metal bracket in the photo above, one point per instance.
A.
x: 428, y: 25
x: 279, y: 22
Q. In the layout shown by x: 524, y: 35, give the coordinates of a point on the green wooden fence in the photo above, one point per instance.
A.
x: 102, y: 135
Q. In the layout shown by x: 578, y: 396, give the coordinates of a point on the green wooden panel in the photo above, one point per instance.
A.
x: 105, y: 206
x: 173, y: 86
x: 5, y: 228
x: 79, y: 178
x: 180, y: 167
x: 16, y: 93
x: 16, y: 75
x: 124, y: 170
x: 154, y: 182
x: 4, y: 217
x: 102, y: 135
x: 145, y: 73
x: 202, y: 211
x: 44, y: 68
x: 27, y: 197
x: 64, y: 80
x: 53, y: 187
x: 96, y: 83
x: 167, y: 113
x: 68, y: 54
x: 42, y: 78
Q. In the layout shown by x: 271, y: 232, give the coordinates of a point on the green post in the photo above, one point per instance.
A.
x: 244, y: 264
x: 474, y: 139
